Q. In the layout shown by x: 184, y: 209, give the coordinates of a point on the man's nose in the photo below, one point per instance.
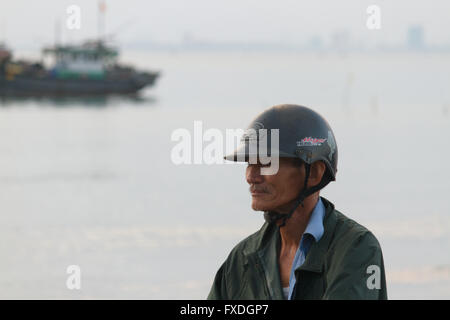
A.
x: 253, y: 174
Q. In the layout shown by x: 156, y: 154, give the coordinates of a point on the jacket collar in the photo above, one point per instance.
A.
x: 316, y: 256
x: 266, y: 247
x: 314, y: 227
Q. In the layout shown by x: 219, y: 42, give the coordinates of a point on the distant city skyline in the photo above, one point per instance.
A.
x: 209, y: 24
x: 415, y: 40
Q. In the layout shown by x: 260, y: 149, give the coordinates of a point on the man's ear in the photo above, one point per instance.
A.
x: 316, y: 173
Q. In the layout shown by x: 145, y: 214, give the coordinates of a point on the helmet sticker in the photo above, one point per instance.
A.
x: 331, y: 144
x: 310, y: 142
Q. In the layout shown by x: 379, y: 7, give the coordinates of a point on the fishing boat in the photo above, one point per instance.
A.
x: 90, y: 68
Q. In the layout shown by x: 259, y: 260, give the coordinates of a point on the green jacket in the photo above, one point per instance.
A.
x: 338, y: 266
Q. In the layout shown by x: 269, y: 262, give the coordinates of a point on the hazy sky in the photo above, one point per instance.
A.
x: 30, y: 24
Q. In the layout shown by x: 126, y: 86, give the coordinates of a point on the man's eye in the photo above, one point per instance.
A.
x: 259, y: 165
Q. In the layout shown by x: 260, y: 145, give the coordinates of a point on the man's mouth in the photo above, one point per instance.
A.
x: 255, y: 191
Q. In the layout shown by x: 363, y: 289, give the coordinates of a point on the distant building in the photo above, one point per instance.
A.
x: 415, y: 40
x: 340, y: 41
x: 315, y: 43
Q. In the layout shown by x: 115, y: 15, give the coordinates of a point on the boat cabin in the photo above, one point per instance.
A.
x: 88, y: 60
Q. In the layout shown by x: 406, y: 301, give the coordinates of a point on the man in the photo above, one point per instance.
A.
x: 306, y: 249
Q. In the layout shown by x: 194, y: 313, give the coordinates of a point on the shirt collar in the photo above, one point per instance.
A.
x: 315, y: 223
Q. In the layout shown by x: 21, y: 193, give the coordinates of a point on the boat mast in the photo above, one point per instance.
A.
x: 101, y: 20
x: 57, y: 33
x: 3, y: 31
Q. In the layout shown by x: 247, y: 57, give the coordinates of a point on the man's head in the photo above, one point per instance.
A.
x: 307, y: 158
x: 278, y: 192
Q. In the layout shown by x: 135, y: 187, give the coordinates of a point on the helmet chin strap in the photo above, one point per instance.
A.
x: 273, y: 216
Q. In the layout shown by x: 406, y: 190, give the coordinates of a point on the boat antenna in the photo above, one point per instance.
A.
x: 3, y: 31
x: 57, y: 32
x: 101, y: 19
x: 121, y: 28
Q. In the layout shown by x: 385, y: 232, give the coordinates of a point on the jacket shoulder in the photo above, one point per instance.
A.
x: 250, y: 243
x: 349, y: 231
x: 228, y: 281
x: 352, y: 253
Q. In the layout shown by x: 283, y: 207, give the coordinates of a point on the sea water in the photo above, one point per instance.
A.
x: 91, y: 182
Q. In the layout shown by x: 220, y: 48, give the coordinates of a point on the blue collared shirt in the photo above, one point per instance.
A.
x: 314, y: 231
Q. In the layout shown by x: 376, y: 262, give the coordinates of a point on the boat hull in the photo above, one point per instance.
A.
x: 24, y: 86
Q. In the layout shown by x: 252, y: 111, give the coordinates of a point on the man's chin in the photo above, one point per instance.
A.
x: 265, y: 206
x: 258, y: 206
